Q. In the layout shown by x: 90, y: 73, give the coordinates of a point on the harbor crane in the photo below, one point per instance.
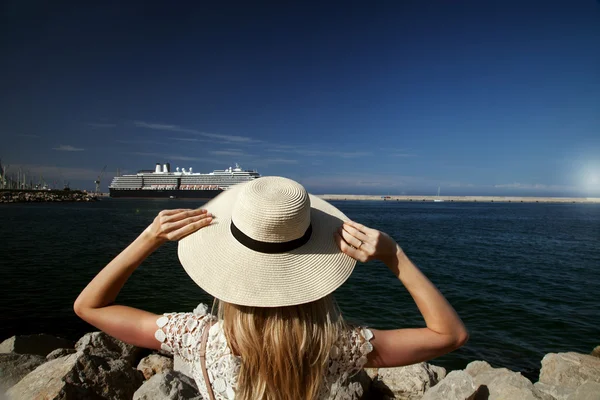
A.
x: 97, y: 181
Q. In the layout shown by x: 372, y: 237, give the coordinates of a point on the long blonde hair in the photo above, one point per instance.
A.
x: 284, y: 350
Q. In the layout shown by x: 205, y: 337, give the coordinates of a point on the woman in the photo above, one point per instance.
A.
x: 272, y: 255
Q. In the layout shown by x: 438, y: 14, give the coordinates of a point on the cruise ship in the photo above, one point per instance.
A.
x: 163, y: 183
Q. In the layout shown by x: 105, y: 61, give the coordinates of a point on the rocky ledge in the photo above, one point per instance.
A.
x: 98, y: 367
x: 41, y: 196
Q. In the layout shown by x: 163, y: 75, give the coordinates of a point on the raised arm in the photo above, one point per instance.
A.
x: 95, y: 303
x: 445, y: 331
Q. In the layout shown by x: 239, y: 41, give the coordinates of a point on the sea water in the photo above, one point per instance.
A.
x: 524, y: 278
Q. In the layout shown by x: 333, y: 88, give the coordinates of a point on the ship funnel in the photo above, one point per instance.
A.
x: 157, y: 169
x: 165, y: 168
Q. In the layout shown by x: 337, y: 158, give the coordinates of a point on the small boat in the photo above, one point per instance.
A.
x: 438, y: 200
x: 172, y: 197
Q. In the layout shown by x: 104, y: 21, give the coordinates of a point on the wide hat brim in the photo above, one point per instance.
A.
x: 230, y: 271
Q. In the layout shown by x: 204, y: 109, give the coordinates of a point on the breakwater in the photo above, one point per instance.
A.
x: 100, y: 366
x: 464, y: 199
x: 44, y: 196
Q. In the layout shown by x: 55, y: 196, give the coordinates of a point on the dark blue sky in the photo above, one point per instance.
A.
x: 478, y: 97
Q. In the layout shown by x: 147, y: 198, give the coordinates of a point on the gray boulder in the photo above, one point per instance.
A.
x: 596, y: 352
x: 503, y: 384
x: 474, y: 368
x: 569, y: 370
x: 34, y: 344
x: 106, y: 346
x: 154, y: 364
x: 439, y: 373
x: 457, y: 385
x: 180, y: 365
x: 59, y: 353
x: 13, y: 367
x: 409, y: 382
x: 587, y: 391
x: 81, y: 375
x: 557, y: 392
x: 364, y: 380
x: 170, y: 385
x: 45, y: 382
x: 371, y: 372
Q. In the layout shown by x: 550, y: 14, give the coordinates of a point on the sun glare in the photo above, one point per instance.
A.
x: 591, y: 178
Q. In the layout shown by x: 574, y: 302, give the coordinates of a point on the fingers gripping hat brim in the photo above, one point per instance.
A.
x: 234, y: 273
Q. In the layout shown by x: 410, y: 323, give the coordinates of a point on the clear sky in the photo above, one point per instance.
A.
x: 392, y: 97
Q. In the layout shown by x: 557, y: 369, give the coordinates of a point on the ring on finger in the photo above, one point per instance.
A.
x: 361, y: 243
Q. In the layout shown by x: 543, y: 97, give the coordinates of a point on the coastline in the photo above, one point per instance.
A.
x: 45, y: 196
x: 460, y: 199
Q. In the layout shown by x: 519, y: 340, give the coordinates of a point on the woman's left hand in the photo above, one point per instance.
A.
x: 366, y: 244
x: 177, y: 224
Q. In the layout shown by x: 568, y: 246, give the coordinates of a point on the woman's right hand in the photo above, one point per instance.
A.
x: 366, y: 244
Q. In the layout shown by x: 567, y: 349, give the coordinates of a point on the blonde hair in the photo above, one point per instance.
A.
x: 284, y: 350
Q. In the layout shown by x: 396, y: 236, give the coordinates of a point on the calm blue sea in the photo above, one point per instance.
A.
x: 525, y: 278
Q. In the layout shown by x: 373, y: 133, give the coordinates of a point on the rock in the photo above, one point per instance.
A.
x: 103, y: 345
x: 596, y: 352
x: 557, y: 392
x: 13, y: 367
x: 504, y: 384
x: 34, y: 344
x: 363, y: 379
x: 457, y: 385
x: 171, y: 385
x: 587, y: 391
x: 408, y: 382
x: 181, y: 366
x: 79, y: 376
x: 59, y: 353
x: 46, y: 381
x: 439, y: 372
x: 569, y: 370
x: 476, y: 367
x: 154, y: 364
x: 372, y: 372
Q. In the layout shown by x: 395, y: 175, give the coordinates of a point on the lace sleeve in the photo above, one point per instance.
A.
x: 180, y: 333
x: 357, y: 348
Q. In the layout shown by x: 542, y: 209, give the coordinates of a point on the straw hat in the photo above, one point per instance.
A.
x: 270, y: 244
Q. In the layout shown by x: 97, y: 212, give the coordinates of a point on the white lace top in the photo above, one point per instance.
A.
x: 181, y: 334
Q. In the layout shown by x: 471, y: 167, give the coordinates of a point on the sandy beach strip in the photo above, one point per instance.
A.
x: 465, y: 199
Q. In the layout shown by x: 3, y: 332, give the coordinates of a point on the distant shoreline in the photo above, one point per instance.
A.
x: 462, y: 199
